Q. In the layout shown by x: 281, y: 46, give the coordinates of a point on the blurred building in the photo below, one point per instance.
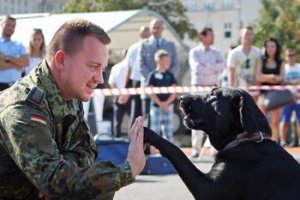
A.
x: 226, y: 17
x: 31, y: 6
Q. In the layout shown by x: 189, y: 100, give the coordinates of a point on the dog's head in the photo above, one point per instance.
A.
x: 223, y: 113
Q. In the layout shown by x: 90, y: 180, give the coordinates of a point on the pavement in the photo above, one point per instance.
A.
x: 171, y: 187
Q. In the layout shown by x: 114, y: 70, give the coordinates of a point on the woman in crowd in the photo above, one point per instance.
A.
x: 36, y: 50
x: 271, y: 72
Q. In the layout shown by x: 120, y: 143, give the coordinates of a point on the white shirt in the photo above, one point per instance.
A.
x: 206, y: 65
x: 245, y: 64
x: 292, y: 74
x: 118, y: 74
x: 132, y: 57
x: 33, y: 62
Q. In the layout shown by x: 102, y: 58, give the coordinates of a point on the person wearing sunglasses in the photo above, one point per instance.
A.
x: 242, y: 62
x: 292, y: 77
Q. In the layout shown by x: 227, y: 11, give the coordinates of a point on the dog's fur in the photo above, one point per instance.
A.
x: 249, y: 171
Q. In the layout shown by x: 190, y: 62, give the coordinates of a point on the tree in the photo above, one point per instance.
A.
x: 172, y: 10
x: 279, y: 19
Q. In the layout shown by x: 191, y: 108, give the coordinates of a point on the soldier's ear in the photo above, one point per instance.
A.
x: 59, y: 59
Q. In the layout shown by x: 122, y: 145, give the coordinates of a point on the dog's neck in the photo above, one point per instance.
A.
x: 247, y: 137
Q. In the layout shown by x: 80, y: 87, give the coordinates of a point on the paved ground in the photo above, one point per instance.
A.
x: 169, y: 187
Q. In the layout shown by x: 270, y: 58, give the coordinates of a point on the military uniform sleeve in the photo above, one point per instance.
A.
x: 83, y: 149
x: 29, y: 140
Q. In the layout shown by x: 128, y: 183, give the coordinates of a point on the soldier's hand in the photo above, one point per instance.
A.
x: 136, y: 156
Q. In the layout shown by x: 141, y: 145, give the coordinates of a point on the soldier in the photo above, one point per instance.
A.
x: 46, y: 148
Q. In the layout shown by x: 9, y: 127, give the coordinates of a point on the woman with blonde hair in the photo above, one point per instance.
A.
x: 36, y: 50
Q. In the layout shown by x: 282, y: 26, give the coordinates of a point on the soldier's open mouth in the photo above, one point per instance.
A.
x: 93, y: 86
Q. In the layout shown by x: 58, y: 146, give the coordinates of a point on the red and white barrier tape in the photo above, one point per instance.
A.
x: 182, y: 89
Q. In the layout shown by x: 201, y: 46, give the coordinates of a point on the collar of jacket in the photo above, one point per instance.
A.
x: 54, y: 97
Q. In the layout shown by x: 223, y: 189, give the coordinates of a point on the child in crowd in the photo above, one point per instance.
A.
x: 161, y: 106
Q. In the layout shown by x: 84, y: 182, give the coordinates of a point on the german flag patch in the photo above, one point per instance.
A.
x: 38, y: 118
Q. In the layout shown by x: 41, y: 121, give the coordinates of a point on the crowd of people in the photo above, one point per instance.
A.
x: 153, y: 61
x: 46, y: 148
x: 244, y: 65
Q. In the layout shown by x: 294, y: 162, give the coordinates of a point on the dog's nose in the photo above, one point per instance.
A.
x: 186, y: 99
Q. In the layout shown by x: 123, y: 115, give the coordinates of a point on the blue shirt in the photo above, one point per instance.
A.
x: 13, y: 49
x: 159, y: 79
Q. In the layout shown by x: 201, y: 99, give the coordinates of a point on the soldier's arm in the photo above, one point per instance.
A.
x: 29, y: 138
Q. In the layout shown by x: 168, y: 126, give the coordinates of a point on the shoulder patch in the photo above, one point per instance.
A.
x: 35, y: 96
x: 39, y: 119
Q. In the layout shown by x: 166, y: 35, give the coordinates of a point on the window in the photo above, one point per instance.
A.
x: 209, y: 5
x: 227, y: 29
x: 227, y: 4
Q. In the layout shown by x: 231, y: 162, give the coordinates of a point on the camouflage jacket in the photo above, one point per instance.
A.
x: 46, y: 146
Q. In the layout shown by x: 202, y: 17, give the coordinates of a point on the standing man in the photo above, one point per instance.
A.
x: 117, y: 79
x: 242, y: 62
x: 134, y: 73
x: 206, y: 64
x: 146, y: 57
x: 12, y: 55
x: 46, y: 148
x: 292, y: 77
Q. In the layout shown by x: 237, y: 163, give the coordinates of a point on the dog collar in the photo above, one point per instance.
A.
x: 247, y: 137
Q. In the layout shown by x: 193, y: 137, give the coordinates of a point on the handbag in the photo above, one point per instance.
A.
x: 277, y: 98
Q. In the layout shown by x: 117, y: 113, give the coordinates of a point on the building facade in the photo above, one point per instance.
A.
x: 226, y: 17
x: 31, y: 6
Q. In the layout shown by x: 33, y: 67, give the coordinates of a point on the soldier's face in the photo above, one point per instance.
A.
x: 82, y: 72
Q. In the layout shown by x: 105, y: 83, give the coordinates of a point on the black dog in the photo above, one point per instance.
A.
x: 249, y: 166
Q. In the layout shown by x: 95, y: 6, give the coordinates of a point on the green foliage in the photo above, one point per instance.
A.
x: 279, y: 19
x: 172, y: 10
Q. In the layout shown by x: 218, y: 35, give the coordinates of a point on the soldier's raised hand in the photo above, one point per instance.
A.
x: 136, y: 156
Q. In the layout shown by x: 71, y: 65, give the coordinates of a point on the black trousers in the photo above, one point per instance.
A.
x: 136, y: 103
x: 119, y: 111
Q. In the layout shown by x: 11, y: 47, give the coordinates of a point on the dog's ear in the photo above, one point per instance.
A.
x: 251, y: 117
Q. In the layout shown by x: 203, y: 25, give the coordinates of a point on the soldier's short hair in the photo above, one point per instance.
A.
x: 69, y: 37
x: 160, y: 54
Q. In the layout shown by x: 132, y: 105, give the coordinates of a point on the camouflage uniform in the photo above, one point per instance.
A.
x: 46, y: 146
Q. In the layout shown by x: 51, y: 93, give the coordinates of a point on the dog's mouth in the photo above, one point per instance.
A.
x: 190, y: 122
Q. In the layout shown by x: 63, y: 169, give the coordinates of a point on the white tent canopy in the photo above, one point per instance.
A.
x: 122, y: 26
